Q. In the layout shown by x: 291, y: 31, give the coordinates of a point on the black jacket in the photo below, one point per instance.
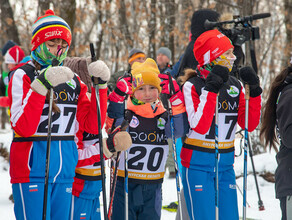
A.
x: 283, y: 175
x: 197, y: 28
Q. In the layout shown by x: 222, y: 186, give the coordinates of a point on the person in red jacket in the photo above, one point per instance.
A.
x: 28, y: 93
x: 214, y: 53
x: 87, y: 181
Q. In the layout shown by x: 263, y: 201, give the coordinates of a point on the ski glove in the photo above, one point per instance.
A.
x: 249, y: 76
x: 216, y: 78
x: 98, y: 69
x: 51, y: 77
x: 123, y: 88
x: 176, y: 96
x: 117, y: 140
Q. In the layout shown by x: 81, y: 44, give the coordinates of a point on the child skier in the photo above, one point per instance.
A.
x: 87, y: 182
x: 149, y: 127
x: 214, y: 53
x: 28, y: 88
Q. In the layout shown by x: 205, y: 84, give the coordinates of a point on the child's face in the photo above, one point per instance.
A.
x: 55, y: 45
x: 146, y: 93
x: 229, y: 54
x: 11, y: 66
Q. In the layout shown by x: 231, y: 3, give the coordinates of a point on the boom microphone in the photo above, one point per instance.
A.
x: 260, y: 16
x: 210, y: 25
x: 252, y: 17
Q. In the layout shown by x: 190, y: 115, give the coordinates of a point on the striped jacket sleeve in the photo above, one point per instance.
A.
x: 200, y: 109
x: 88, y: 153
x: 26, y: 106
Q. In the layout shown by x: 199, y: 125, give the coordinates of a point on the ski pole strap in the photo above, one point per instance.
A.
x: 42, y: 79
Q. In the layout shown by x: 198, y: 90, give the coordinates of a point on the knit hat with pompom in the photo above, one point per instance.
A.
x: 14, y: 55
x: 49, y: 27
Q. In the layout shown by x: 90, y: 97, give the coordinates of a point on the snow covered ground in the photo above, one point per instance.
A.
x: 262, y: 162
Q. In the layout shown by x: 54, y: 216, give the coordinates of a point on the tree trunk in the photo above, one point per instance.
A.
x: 288, y: 24
x: 100, y: 34
x: 249, y: 45
x: 170, y: 11
x: 8, y: 26
x: 67, y: 11
x: 43, y: 6
x: 124, y: 24
x: 152, y: 29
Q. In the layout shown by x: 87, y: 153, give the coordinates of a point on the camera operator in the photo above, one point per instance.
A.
x: 197, y: 28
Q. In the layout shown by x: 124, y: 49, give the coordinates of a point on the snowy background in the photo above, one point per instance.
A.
x: 264, y: 163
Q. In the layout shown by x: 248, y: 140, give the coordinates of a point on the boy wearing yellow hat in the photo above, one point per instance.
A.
x: 149, y: 127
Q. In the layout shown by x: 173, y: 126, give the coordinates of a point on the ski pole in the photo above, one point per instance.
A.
x: 260, y: 202
x: 242, y: 195
x: 55, y: 62
x: 245, y: 150
x: 126, y: 186
x: 126, y: 164
x: 93, y: 58
x: 113, y: 186
x: 216, y: 160
x: 124, y: 126
x: 174, y: 154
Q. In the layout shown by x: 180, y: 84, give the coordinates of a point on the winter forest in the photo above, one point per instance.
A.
x: 117, y: 26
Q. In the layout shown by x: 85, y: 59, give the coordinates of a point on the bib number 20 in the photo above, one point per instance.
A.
x: 140, y: 152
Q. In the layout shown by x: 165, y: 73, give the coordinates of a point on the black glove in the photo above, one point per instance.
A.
x: 248, y: 76
x: 216, y: 78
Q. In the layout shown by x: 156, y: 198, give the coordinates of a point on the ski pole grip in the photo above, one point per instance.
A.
x: 93, y: 58
x: 172, y: 90
x: 128, y: 74
x: 55, y: 62
x: 247, y: 92
x: 124, y: 125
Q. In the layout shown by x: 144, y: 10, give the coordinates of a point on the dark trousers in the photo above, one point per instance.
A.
x: 145, y: 201
x: 286, y: 207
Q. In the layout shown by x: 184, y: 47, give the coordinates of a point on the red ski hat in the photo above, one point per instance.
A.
x: 210, y: 45
x: 49, y: 27
x: 14, y: 55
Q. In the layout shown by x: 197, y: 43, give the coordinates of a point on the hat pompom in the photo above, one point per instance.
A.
x: 49, y: 12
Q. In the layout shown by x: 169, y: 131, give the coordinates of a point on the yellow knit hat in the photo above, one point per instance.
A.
x: 145, y: 74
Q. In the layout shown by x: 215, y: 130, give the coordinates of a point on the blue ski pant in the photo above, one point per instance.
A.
x: 199, y: 188
x: 145, y: 201
x: 87, y: 205
x: 85, y: 208
x: 29, y: 197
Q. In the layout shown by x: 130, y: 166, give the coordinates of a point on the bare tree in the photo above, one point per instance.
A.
x: 8, y: 26
x: 124, y: 26
x: 288, y: 25
x: 170, y: 11
x: 152, y: 29
x: 43, y: 5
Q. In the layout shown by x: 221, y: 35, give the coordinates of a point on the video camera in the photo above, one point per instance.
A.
x: 242, y: 30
